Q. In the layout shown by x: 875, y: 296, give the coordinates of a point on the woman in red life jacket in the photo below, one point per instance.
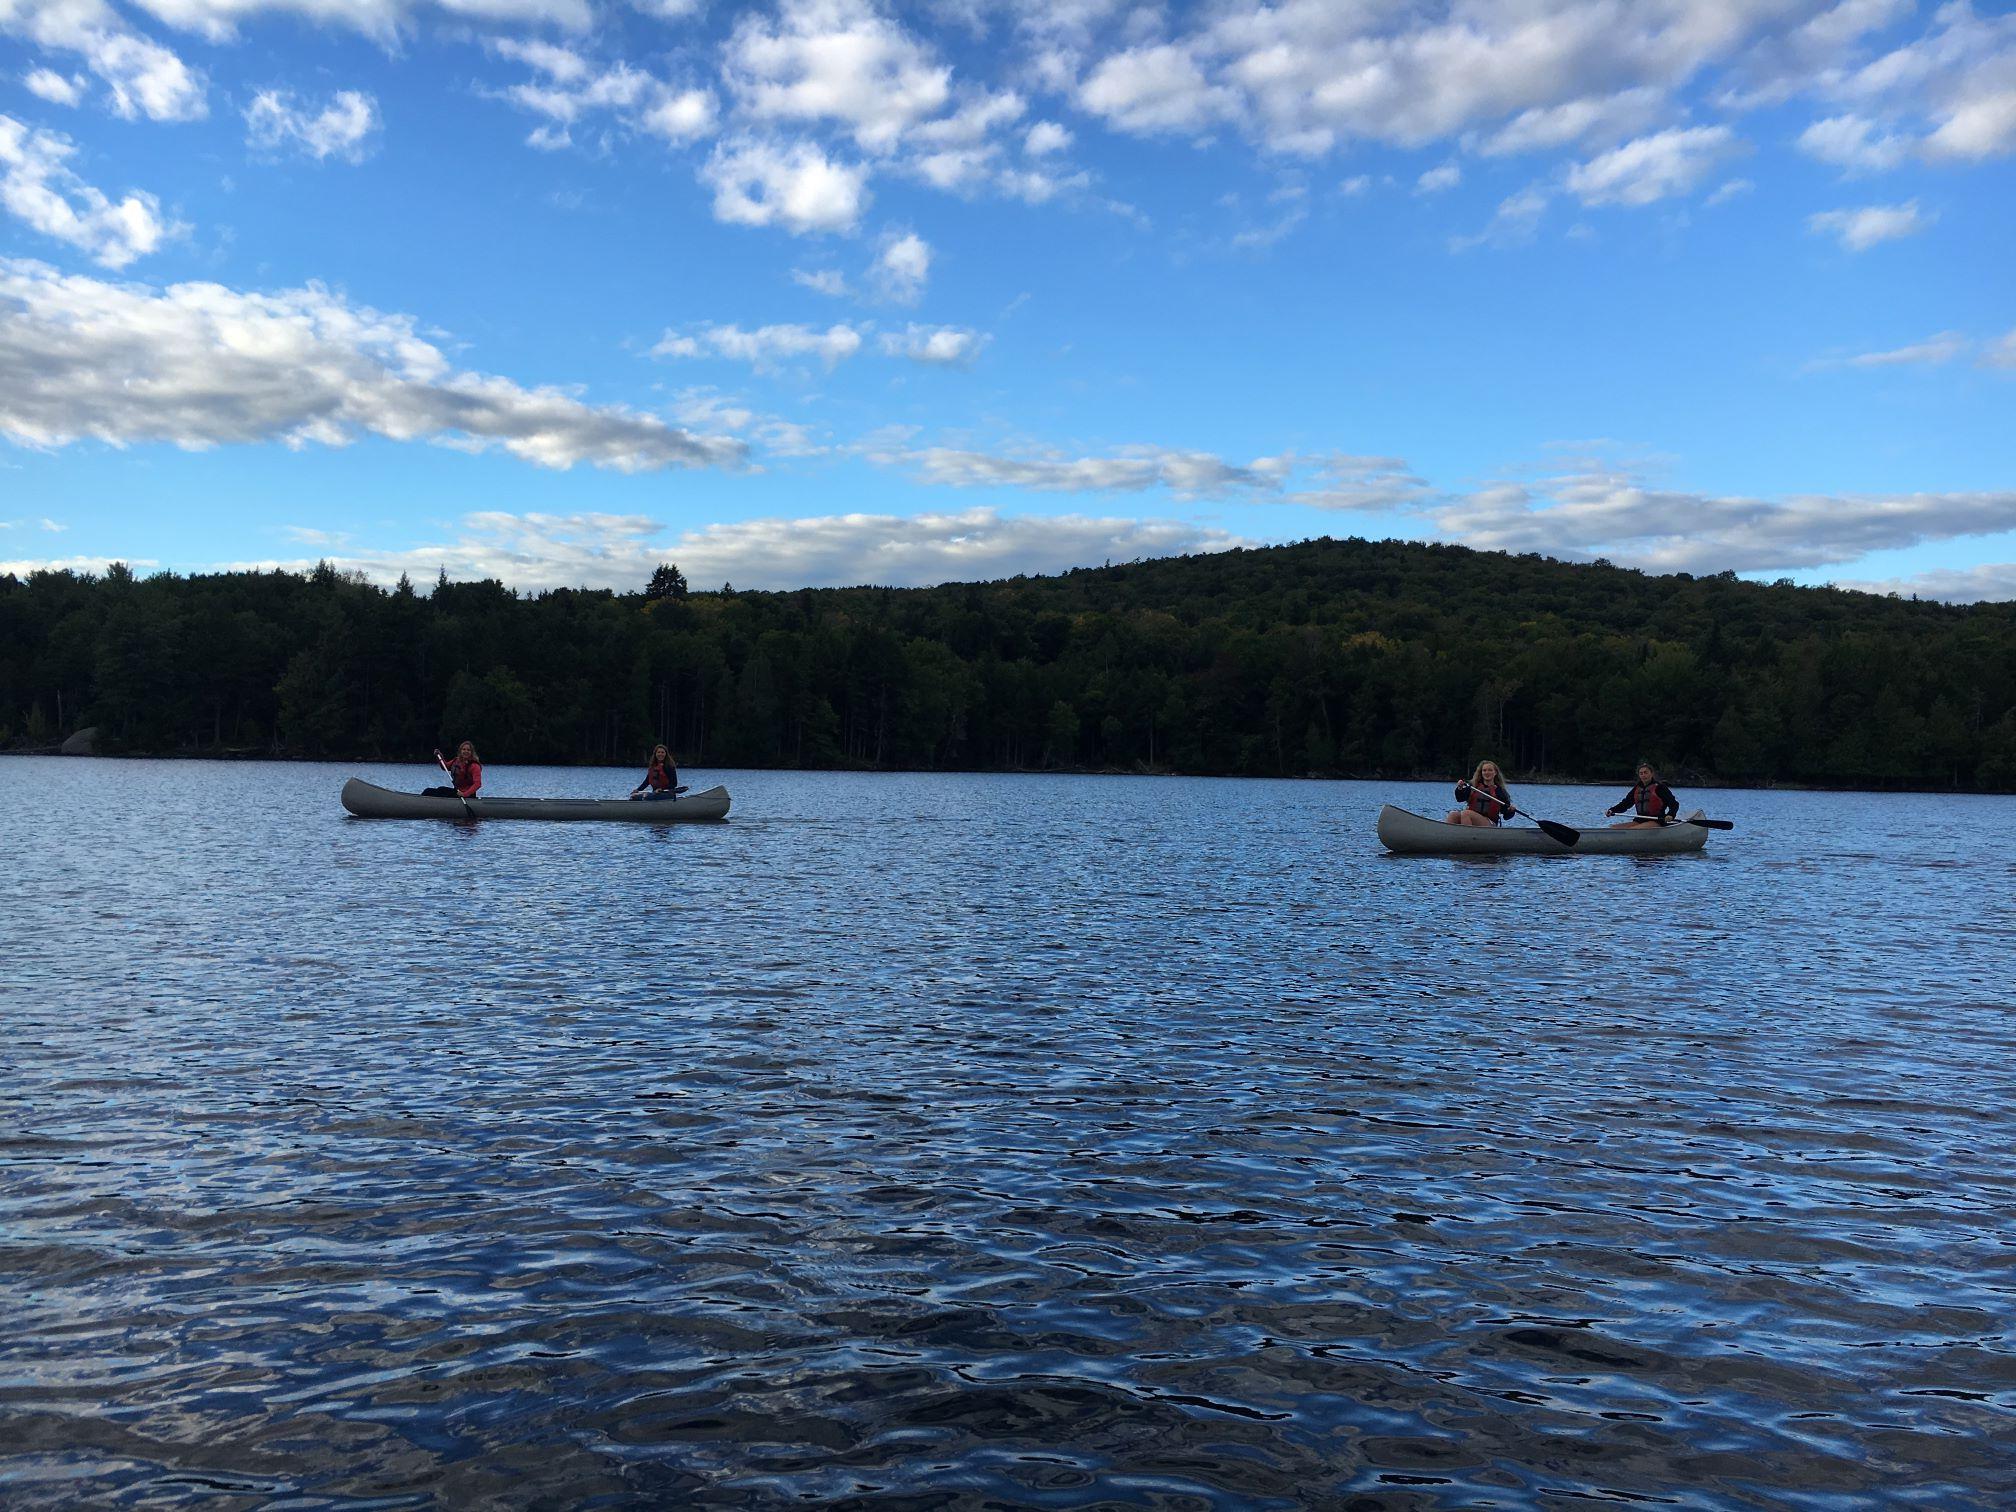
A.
x: 661, y: 776
x: 1651, y: 802
x: 1485, y: 801
x: 465, y: 771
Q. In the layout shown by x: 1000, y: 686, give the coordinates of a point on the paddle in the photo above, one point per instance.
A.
x: 440, y: 762
x: 1560, y: 832
x: 1724, y: 824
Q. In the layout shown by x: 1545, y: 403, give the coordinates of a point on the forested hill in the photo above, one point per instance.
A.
x: 1346, y: 657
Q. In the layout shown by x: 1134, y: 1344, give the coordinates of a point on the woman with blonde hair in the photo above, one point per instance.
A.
x: 465, y: 771
x: 1486, y: 803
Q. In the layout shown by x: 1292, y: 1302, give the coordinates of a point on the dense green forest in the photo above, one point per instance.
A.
x: 1335, y: 657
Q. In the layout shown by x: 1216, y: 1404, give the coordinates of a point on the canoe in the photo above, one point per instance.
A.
x: 1415, y: 835
x: 368, y: 801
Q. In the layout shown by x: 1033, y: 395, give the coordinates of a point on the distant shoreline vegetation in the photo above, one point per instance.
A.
x: 1332, y: 658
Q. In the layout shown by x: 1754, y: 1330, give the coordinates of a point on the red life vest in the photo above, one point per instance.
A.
x: 1486, y: 804
x: 659, y: 777
x: 1645, y: 796
x: 466, y: 775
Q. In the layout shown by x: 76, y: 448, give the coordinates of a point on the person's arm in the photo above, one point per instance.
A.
x: 475, y: 779
x: 1463, y: 792
x: 1505, y: 801
x: 1670, y: 804
x: 1622, y: 804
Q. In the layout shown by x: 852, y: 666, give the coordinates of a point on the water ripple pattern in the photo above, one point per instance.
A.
x: 940, y: 1141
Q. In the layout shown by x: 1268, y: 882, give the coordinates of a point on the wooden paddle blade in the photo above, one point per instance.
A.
x: 1559, y: 832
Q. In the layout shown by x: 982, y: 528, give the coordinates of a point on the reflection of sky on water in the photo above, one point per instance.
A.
x: 1053, y: 1139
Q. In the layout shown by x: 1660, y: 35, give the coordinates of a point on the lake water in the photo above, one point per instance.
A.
x: 943, y: 1141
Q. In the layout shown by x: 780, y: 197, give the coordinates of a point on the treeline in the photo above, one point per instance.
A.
x: 1335, y: 657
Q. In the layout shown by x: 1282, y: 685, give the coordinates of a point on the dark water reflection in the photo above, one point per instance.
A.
x: 968, y: 1141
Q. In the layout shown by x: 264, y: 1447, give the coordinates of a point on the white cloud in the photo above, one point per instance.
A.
x: 965, y: 545
x: 708, y: 409
x: 1981, y: 126
x: 1652, y: 167
x: 1188, y: 475
x: 1308, y: 76
x: 1859, y: 230
x: 56, y: 88
x: 679, y: 115
x: 1615, y: 515
x: 838, y: 61
x: 1046, y: 137
x: 940, y: 346
x: 1993, y: 582
x: 570, y: 89
x: 199, y: 365
x: 1934, y: 351
x: 828, y: 281
x: 901, y: 267
x: 1544, y: 127
x: 308, y: 535
x: 2000, y: 353
x: 38, y: 188
x: 797, y: 187
x: 1259, y: 238
x: 539, y: 551
x: 1514, y: 223
x: 340, y: 129
x: 1733, y: 189
x: 1363, y: 485
x: 562, y: 65
x: 981, y: 114
x: 764, y: 347
x: 1357, y: 184
x: 24, y: 567
x: 1035, y: 187
x: 1436, y: 180
x: 141, y: 77
x: 1305, y: 75
x: 1958, y: 78
x: 1855, y: 143
x: 1155, y: 89
x: 384, y: 20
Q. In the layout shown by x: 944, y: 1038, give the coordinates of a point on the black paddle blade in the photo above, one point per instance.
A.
x: 1712, y: 823
x: 1559, y: 832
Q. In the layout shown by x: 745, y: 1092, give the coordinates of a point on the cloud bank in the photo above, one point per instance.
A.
x: 542, y: 551
x: 198, y: 365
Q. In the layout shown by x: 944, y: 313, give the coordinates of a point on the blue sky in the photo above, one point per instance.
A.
x: 824, y: 291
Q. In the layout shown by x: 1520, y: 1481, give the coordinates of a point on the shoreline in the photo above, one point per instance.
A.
x: 1710, y: 784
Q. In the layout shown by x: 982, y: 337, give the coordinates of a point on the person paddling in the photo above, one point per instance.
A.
x: 661, y: 776
x: 1651, y: 802
x: 465, y: 771
x: 1486, y: 803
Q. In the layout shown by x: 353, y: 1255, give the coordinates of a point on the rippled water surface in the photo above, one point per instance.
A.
x: 919, y: 1141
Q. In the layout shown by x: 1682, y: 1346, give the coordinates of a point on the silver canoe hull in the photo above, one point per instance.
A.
x: 369, y: 801
x: 1409, y: 834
